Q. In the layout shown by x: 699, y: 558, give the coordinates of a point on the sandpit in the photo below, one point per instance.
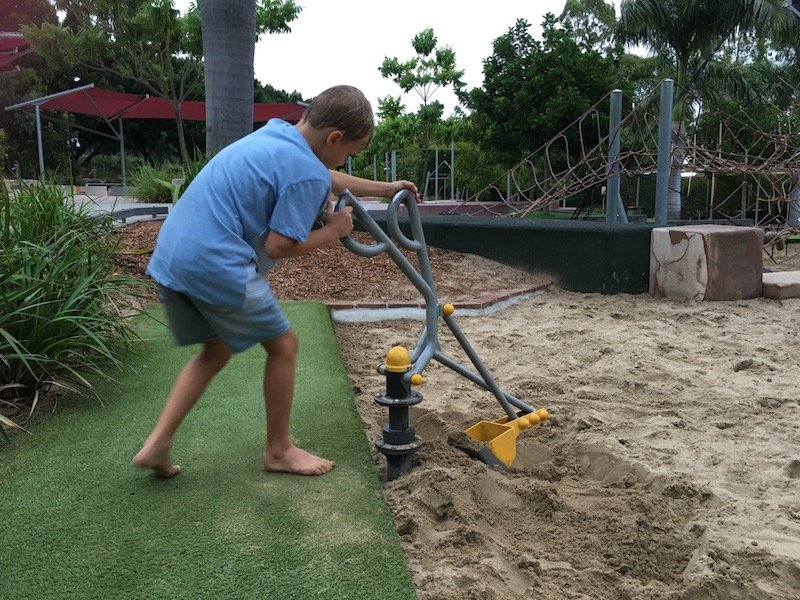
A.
x: 670, y: 467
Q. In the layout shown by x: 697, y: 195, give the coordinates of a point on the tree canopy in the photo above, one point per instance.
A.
x: 533, y: 89
x: 738, y: 53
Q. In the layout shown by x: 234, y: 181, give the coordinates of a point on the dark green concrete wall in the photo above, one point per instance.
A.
x: 580, y: 256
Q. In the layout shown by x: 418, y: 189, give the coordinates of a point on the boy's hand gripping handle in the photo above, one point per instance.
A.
x: 346, y: 198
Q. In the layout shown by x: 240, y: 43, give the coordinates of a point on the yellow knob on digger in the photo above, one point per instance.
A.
x: 398, y: 360
x: 528, y: 421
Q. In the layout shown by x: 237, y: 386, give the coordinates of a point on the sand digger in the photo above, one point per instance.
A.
x: 496, y: 439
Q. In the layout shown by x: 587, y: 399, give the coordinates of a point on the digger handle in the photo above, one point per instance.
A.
x: 346, y: 198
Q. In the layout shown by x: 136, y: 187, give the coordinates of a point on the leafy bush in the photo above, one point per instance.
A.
x: 154, y: 184
x: 195, y: 165
x: 58, y: 317
x: 108, y: 167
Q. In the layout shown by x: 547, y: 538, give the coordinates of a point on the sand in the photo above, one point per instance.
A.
x: 670, y: 467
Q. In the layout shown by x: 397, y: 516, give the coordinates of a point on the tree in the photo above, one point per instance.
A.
x: 30, y: 81
x: 155, y: 50
x: 690, y: 33
x: 431, y: 69
x: 390, y: 107
x: 591, y: 24
x: 15, y: 13
x: 229, y: 32
x: 427, y: 72
x: 140, y: 42
x: 267, y: 93
x: 533, y: 90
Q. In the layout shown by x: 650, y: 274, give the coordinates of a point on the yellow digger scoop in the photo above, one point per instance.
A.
x: 500, y: 436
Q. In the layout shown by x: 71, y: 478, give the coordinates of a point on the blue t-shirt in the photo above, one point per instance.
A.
x: 269, y: 180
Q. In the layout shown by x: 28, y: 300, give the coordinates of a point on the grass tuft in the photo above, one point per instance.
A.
x: 58, y: 321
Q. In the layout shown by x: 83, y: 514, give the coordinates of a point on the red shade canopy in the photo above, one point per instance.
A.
x: 97, y: 102
x: 12, y: 47
x: 108, y: 105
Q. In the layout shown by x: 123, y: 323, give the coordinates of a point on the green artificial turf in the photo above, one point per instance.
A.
x: 79, y: 521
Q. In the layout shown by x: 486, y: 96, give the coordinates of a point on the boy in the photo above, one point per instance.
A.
x: 253, y: 203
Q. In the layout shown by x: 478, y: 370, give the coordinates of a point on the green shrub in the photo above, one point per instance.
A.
x: 195, y: 165
x: 155, y: 184
x: 58, y: 318
x: 108, y: 167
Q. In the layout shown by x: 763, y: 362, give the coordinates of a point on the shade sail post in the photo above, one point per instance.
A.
x: 39, y: 143
x: 122, y: 152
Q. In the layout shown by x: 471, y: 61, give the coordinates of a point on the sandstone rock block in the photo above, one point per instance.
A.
x: 779, y: 286
x: 706, y: 262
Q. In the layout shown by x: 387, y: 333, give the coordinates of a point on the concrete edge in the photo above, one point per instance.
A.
x: 366, y: 314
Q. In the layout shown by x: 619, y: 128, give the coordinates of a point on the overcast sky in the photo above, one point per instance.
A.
x: 345, y: 41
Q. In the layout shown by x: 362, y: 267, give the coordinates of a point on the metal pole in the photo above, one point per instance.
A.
x: 794, y: 203
x: 436, y: 173
x: 452, y: 170
x: 394, y: 165
x: 479, y: 366
x: 711, y: 196
x: 475, y: 378
x: 39, y: 143
x: 615, y: 212
x: 374, y: 167
x: 122, y: 157
x: 755, y: 221
x: 744, y: 201
x: 714, y: 178
x: 664, y: 151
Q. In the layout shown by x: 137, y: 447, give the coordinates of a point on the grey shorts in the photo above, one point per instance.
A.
x: 194, y: 322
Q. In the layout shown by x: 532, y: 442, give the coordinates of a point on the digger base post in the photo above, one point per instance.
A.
x: 399, y: 442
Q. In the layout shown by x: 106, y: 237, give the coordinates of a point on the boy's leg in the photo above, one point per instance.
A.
x: 187, y: 389
x: 279, y: 373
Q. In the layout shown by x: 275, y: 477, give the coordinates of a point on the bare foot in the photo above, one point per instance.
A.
x: 296, y: 460
x: 157, y: 460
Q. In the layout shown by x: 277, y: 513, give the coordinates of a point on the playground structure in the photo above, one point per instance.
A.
x: 710, y: 164
x: 751, y: 173
x: 403, y: 368
x: 750, y: 178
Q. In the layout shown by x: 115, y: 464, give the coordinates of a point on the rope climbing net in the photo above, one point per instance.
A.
x: 750, y: 170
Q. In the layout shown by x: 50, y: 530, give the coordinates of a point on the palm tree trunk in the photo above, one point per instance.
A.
x: 229, y: 37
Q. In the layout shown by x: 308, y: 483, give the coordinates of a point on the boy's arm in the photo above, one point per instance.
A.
x: 368, y: 187
x: 337, y: 225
